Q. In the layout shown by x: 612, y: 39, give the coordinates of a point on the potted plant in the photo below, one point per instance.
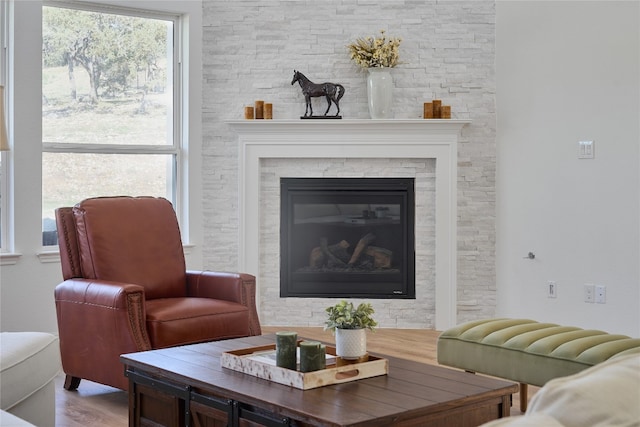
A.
x: 349, y: 323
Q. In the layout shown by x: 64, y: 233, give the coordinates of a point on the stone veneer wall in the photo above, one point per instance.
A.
x: 251, y: 49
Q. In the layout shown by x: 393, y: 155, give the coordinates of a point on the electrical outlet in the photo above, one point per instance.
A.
x: 586, y: 149
x: 552, y: 289
x: 589, y: 293
x: 601, y: 294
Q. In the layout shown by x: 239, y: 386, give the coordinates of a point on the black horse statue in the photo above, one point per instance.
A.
x: 332, y: 91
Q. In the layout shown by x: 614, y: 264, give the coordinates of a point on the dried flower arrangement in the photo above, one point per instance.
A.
x: 375, y: 52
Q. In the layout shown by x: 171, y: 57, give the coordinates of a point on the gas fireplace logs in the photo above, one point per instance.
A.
x: 362, y: 245
x: 337, y: 256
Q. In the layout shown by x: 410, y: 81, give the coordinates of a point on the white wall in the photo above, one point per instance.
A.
x: 569, y: 71
x: 26, y: 287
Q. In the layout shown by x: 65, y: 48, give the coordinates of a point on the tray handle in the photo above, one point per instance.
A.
x: 347, y: 374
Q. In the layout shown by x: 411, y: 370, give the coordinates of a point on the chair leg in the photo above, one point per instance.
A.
x: 523, y: 397
x: 71, y: 383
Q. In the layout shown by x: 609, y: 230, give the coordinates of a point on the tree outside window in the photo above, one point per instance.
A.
x: 108, y: 116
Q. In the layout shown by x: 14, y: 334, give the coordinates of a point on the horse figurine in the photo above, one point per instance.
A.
x: 332, y: 91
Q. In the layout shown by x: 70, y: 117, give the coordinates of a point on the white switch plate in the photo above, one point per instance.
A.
x: 601, y: 294
x: 589, y: 293
x: 586, y: 149
x: 552, y: 289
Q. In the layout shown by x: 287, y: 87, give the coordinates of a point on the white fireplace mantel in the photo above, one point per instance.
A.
x: 304, y: 139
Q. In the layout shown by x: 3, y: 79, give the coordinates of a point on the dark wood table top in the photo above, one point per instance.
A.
x: 410, y: 388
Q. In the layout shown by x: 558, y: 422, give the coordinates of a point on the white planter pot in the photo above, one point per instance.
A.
x: 351, y: 343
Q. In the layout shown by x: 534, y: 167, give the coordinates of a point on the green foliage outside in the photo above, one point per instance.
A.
x: 104, y: 82
x: 112, y: 49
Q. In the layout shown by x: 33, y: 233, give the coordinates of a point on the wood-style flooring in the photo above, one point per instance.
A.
x: 98, y: 405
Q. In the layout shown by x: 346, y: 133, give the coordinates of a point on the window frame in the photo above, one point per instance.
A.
x: 6, y: 219
x: 179, y: 118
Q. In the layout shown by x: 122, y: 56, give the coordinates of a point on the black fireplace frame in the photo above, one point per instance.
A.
x: 400, y: 285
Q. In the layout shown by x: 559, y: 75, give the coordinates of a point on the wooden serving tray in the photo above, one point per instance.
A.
x: 245, y: 361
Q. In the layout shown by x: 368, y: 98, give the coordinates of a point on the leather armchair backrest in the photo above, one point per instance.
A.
x: 68, y: 243
x: 132, y: 240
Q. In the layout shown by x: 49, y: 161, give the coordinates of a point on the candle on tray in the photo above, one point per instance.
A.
x: 312, y: 356
x: 286, y: 343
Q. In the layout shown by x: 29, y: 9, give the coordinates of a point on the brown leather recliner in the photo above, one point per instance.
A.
x: 127, y: 289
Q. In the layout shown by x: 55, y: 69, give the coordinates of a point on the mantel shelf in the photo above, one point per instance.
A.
x: 347, y: 122
x: 348, y: 132
x: 354, y: 126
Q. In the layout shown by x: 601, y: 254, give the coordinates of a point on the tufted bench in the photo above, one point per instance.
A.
x: 527, y: 351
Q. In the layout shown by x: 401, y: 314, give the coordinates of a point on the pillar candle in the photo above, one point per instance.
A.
x: 259, y: 109
x: 437, y: 103
x: 268, y: 111
x: 445, y: 111
x: 312, y: 356
x: 286, y: 343
x: 428, y: 110
x: 248, y: 113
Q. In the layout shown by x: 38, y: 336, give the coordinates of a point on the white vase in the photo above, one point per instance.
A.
x: 351, y: 343
x: 380, y: 92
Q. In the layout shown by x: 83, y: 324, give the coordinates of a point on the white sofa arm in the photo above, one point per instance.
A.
x: 604, y: 395
x: 10, y: 420
x: 29, y: 363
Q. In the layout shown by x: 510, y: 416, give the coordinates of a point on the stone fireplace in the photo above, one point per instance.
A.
x: 425, y: 150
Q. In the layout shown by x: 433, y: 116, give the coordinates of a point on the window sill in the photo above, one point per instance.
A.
x: 9, y: 258
x: 45, y: 257
x: 48, y: 256
x: 54, y: 256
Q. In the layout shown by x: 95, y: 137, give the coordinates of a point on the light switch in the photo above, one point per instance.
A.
x: 586, y: 149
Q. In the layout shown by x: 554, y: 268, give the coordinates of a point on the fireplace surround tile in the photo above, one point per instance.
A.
x: 425, y: 150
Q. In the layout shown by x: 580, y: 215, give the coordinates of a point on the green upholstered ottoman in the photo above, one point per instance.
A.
x: 527, y: 351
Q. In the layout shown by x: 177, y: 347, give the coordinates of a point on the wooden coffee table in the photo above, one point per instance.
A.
x: 186, y: 386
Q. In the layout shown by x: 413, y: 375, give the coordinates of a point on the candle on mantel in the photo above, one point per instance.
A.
x: 268, y: 110
x: 312, y: 356
x: 248, y: 113
x: 445, y: 111
x: 428, y: 110
x: 286, y: 344
x: 259, y: 109
x: 437, y: 103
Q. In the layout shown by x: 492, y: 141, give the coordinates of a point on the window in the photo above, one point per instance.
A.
x: 110, y: 119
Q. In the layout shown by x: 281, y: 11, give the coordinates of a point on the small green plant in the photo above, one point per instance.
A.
x: 344, y: 315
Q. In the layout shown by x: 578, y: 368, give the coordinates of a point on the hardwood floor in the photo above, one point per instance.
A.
x: 91, y: 404
x: 98, y: 405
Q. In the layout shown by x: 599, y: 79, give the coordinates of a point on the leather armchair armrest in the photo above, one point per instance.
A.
x: 98, y: 321
x: 236, y: 287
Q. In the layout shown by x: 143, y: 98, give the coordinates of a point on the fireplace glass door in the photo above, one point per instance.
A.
x: 347, y: 237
